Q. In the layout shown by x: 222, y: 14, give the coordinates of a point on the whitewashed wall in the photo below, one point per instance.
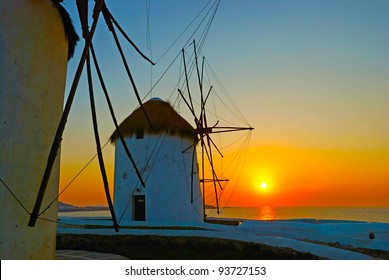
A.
x: 33, y: 64
x: 166, y: 171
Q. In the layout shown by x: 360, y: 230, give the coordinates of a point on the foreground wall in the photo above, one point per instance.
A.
x: 33, y: 62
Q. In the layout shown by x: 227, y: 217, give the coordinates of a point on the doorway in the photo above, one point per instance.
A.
x: 139, y: 208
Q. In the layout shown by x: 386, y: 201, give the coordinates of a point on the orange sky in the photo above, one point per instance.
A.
x: 314, y: 177
x: 295, y: 177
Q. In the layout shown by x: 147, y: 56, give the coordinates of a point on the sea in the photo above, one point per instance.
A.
x: 267, y: 213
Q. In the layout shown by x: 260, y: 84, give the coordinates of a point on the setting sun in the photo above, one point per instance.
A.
x: 263, y: 185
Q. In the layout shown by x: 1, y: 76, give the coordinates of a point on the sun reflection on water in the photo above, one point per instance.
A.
x: 266, y: 213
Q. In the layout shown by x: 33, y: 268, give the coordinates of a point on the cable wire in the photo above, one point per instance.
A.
x: 14, y: 196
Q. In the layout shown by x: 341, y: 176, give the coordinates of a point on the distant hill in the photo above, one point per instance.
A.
x: 63, y: 207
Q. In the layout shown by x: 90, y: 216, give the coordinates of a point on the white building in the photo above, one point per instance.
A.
x: 163, y: 154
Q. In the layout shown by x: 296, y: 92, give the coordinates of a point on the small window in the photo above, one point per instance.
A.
x: 139, y: 134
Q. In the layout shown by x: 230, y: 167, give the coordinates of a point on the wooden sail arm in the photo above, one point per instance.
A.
x: 129, y: 40
x: 187, y: 81
x: 223, y: 129
x: 190, y: 108
x: 104, y: 88
x: 203, y: 101
x: 214, y: 145
x: 210, y: 160
x: 212, y: 180
x: 108, y: 21
x: 98, y: 145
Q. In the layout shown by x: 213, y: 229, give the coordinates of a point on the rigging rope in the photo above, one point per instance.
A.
x: 28, y: 213
x: 208, y: 26
x: 217, y: 2
x: 74, y: 178
x: 242, y: 158
x: 148, y: 37
x: 127, y: 37
x: 182, y: 33
x: 160, y: 78
x: 14, y: 196
x: 241, y: 116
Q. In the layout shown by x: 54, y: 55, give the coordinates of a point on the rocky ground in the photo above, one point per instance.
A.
x: 379, y: 254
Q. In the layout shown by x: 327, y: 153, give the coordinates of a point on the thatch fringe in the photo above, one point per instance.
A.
x: 163, y: 117
x: 70, y: 32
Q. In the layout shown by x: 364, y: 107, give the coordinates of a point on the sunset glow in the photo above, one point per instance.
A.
x: 311, y: 78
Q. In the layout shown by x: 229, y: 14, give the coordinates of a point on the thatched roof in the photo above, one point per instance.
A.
x: 163, y: 117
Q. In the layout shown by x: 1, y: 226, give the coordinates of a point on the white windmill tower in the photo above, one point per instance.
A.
x: 36, y: 39
x: 162, y: 147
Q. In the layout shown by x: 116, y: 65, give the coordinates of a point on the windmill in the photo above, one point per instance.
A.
x: 205, y: 130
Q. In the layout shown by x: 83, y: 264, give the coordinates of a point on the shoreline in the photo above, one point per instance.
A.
x: 353, y: 214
